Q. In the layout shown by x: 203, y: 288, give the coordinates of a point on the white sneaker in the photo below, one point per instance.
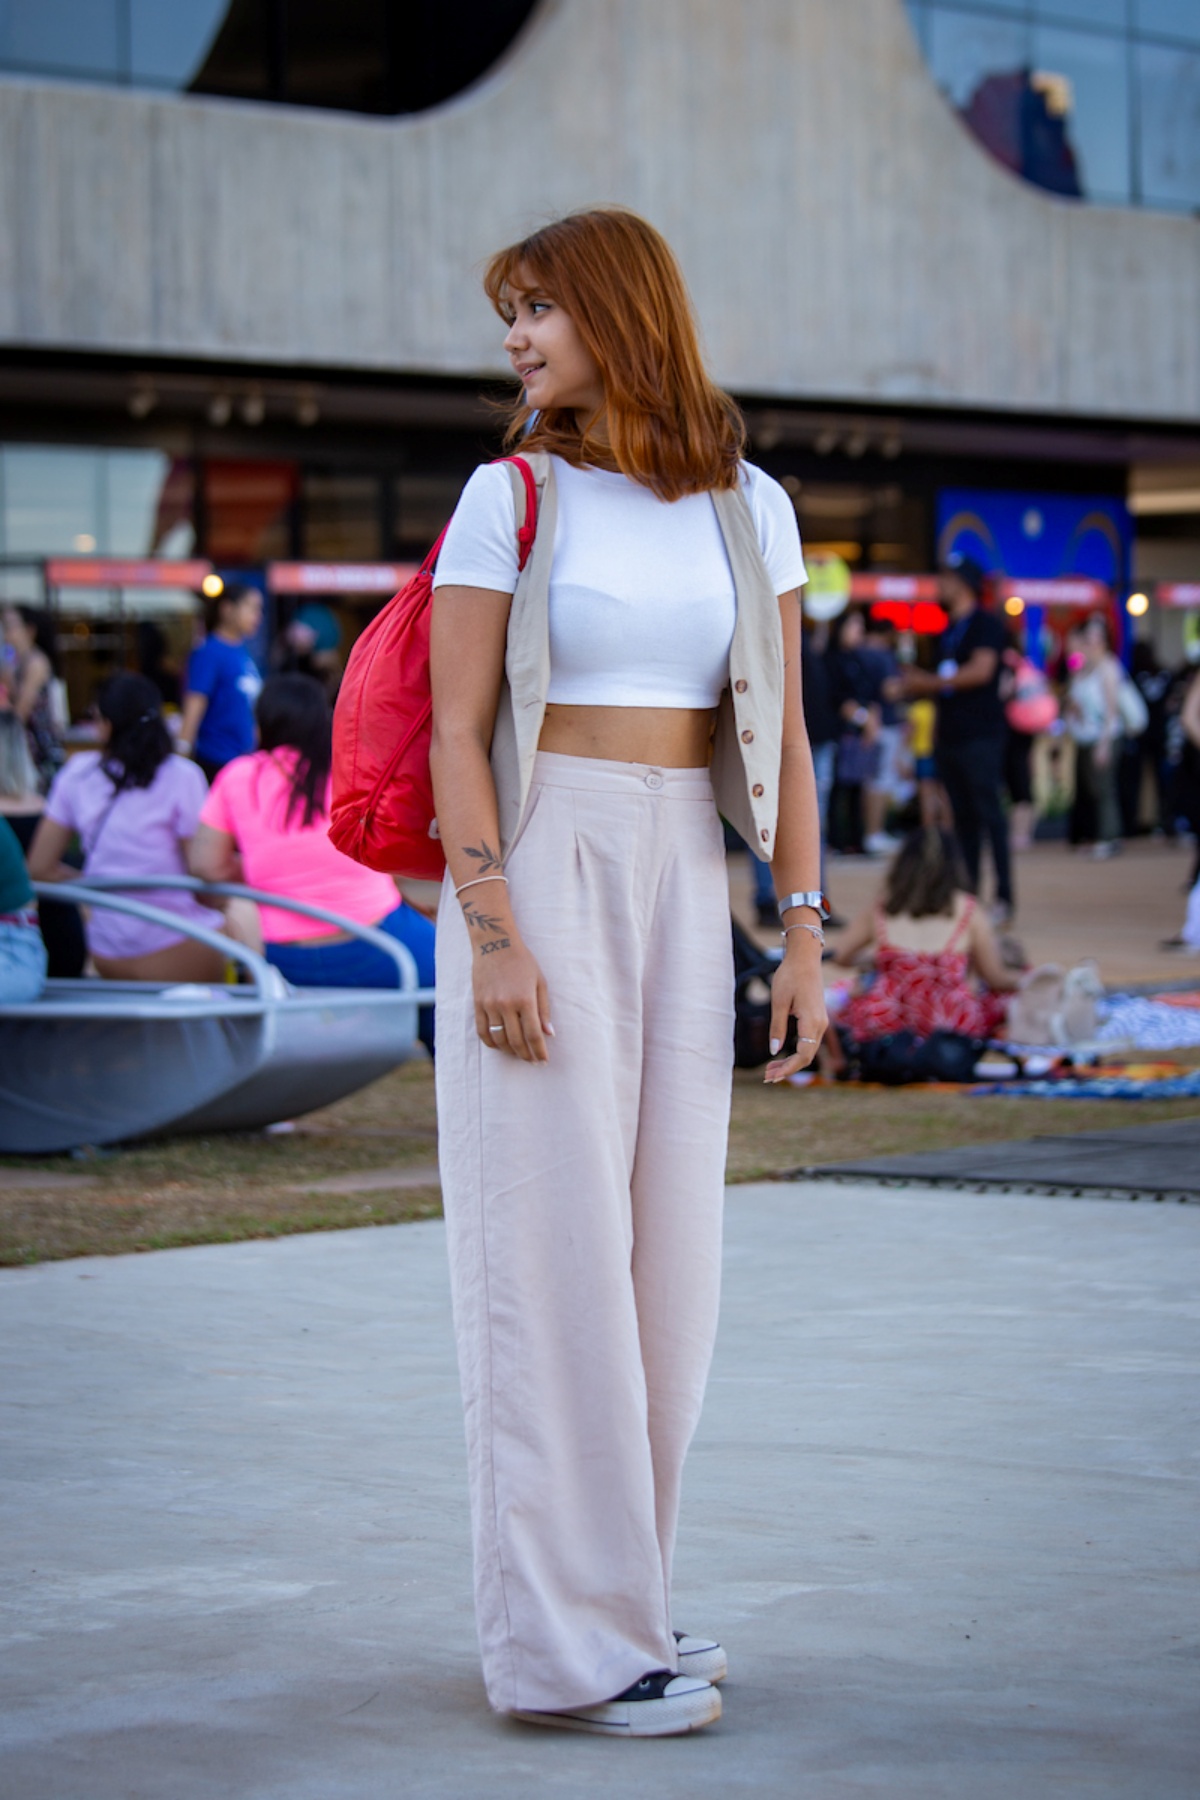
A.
x: 660, y: 1705
x: 880, y: 843
x: 701, y: 1657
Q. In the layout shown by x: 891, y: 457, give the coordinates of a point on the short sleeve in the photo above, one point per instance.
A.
x: 191, y: 791
x: 481, y: 543
x: 62, y: 800
x: 215, y: 808
x: 778, y: 533
x: 202, y: 671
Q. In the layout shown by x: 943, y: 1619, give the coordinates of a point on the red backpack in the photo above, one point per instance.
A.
x: 382, y: 812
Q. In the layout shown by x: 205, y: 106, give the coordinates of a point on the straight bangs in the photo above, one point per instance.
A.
x: 669, y: 426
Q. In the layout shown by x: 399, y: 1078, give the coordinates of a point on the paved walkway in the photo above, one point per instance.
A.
x: 942, y: 1511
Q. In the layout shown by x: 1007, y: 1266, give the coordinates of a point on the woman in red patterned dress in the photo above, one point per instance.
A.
x: 936, y: 965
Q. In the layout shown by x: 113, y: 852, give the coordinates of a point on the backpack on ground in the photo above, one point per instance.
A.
x: 382, y: 811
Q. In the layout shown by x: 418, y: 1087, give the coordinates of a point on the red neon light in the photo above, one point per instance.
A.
x: 926, y: 619
x: 1178, y: 593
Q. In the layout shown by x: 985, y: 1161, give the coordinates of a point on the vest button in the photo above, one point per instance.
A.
x: 765, y: 835
x: 739, y: 687
x: 757, y: 790
x: 747, y: 737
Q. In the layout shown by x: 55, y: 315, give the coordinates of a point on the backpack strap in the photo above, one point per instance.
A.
x: 527, y: 530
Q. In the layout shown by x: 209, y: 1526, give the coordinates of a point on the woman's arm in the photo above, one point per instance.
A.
x: 34, y: 676
x: 797, y: 990
x: 1110, y: 682
x: 212, y: 855
x: 985, y: 957
x: 466, y: 661
x: 194, y: 708
x: 45, y: 859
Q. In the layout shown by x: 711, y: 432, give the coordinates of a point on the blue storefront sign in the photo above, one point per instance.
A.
x: 1040, y: 536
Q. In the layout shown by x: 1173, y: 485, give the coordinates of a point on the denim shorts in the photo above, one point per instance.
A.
x: 22, y: 963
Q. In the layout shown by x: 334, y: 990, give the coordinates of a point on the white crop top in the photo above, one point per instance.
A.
x: 642, y: 602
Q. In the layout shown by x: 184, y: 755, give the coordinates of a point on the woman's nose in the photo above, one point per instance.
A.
x: 515, y: 337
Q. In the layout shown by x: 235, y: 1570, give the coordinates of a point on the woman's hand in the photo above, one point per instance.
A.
x: 797, y: 992
x: 512, y: 1005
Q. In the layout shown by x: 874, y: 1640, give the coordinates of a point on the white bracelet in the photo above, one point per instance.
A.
x: 813, y: 931
x: 478, y: 882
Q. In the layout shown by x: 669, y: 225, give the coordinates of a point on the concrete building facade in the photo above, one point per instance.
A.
x: 285, y: 299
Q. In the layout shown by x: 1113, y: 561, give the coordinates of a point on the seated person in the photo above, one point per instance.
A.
x: 932, y: 947
x: 266, y: 822
x: 21, y: 803
x: 22, y: 952
x: 134, y: 805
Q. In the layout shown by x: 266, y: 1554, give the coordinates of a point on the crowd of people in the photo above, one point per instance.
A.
x: 952, y: 744
x: 236, y: 789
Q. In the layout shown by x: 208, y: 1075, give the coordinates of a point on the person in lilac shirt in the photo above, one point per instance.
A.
x: 134, y: 805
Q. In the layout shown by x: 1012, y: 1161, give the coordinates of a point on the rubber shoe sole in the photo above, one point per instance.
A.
x: 686, y: 1705
x: 701, y: 1657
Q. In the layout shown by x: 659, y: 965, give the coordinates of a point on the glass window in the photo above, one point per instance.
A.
x: 1017, y: 8
x: 1169, y: 86
x: 341, y: 518
x: 919, y: 18
x: 67, y: 36
x: 1095, y: 70
x: 53, y: 502
x: 170, y: 39
x: 62, y: 502
x: 966, y: 51
x: 423, y: 503
x: 248, y: 511
x: 1169, y: 18
x: 1086, y: 12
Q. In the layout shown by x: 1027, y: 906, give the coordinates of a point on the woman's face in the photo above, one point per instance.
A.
x: 550, y: 359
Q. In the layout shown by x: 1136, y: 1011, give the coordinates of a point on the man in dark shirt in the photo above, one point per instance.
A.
x: 971, y: 725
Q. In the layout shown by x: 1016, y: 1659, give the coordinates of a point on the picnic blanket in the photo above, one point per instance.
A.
x: 1124, y: 1081
x: 1158, y: 1024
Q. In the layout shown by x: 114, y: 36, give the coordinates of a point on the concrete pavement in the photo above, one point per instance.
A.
x: 942, y: 1512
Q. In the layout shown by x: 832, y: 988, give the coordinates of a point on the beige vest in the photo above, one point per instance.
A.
x: 748, y: 741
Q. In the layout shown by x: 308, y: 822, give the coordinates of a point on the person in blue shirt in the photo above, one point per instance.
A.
x: 223, y: 683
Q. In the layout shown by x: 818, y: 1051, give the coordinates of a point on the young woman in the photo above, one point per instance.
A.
x: 936, y: 965
x: 223, y: 682
x: 585, y: 715
x: 1093, y: 719
x: 266, y: 822
x: 134, y: 806
x: 30, y: 675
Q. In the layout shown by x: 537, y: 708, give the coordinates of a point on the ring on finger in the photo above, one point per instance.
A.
x: 496, y: 1030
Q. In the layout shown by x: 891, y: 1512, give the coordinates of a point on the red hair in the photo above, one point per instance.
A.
x: 669, y: 426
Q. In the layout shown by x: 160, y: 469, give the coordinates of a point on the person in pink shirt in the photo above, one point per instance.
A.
x: 134, y: 806
x: 266, y: 822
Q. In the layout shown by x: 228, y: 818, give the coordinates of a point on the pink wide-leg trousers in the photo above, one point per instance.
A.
x: 583, y: 1209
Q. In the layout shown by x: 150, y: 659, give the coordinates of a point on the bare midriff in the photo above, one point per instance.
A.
x: 669, y: 737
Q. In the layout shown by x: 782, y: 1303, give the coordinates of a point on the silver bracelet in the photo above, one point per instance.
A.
x: 813, y: 931
x: 478, y: 882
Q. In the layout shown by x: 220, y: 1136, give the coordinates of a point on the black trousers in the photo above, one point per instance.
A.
x: 971, y: 774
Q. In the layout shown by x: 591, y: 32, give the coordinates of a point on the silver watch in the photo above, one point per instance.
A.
x: 811, y: 897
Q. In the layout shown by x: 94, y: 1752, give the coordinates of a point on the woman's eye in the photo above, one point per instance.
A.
x: 539, y: 306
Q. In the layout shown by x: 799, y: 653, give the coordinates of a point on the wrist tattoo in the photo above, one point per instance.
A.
x: 484, y: 855
x: 478, y: 920
x: 495, y: 944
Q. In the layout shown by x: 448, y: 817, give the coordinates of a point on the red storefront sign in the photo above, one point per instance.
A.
x: 130, y: 572
x: 338, y: 578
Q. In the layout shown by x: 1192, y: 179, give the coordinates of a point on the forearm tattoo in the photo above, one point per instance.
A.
x: 487, y: 925
x: 485, y: 856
